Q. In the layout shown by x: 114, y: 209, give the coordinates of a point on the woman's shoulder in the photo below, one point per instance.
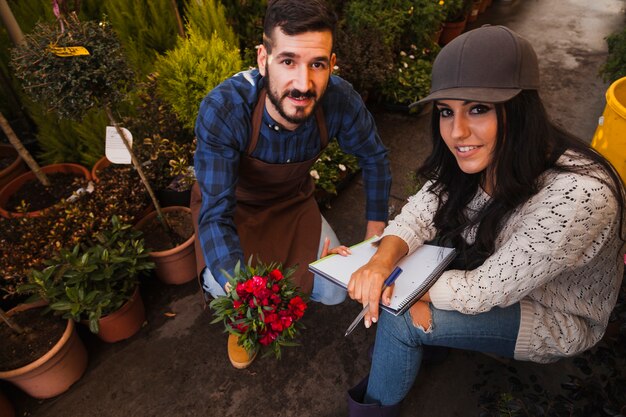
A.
x: 573, y: 165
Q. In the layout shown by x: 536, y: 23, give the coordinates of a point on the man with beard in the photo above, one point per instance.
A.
x: 259, y: 133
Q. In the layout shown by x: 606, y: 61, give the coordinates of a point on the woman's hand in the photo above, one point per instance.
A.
x: 366, y: 282
x: 341, y: 250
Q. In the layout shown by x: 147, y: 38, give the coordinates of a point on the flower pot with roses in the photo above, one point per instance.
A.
x: 262, y: 309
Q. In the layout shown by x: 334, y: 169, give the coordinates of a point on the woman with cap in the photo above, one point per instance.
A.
x: 535, y: 215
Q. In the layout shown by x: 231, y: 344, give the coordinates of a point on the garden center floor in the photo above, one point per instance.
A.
x: 177, y: 365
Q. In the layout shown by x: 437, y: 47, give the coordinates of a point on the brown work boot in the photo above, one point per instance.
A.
x: 238, y: 356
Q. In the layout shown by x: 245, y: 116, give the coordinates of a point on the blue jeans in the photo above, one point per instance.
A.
x: 399, y: 345
x: 324, y: 291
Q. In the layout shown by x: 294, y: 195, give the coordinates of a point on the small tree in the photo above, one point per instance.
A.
x: 74, y: 68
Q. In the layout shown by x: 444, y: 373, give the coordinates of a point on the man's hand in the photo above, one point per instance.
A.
x: 374, y: 228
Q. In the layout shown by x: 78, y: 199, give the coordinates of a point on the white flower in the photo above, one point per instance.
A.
x: 336, y: 67
x: 405, y: 65
x: 412, y: 56
x: 342, y: 167
x: 402, y: 53
x: 314, y: 174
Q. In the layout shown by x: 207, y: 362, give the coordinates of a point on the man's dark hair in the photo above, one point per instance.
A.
x: 297, y: 16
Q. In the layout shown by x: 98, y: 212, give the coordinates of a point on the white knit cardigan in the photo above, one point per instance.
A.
x: 559, y: 255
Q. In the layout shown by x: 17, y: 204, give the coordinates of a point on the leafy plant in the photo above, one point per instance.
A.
x: 209, y: 17
x: 615, y: 66
x: 72, y: 85
x: 246, y: 18
x: 93, y: 279
x: 26, y: 242
x: 188, y: 72
x: 455, y: 10
x: 146, y: 29
x: 170, y: 163
x: 332, y: 166
x: 410, y: 79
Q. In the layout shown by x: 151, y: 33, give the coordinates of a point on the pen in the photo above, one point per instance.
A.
x: 390, y: 279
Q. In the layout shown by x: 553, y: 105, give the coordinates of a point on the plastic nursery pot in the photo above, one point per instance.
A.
x: 176, y: 265
x: 123, y: 323
x: 13, y: 186
x: 54, y: 372
x: 16, y: 168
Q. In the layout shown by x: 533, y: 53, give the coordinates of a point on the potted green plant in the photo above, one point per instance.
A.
x: 410, y: 79
x: 455, y: 14
x: 332, y: 170
x: 97, y: 282
x: 40, y: 354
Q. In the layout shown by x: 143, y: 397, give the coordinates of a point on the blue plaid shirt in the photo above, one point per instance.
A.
x: 223, y: 129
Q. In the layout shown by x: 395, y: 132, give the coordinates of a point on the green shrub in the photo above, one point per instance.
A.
x: 246, y: 18
x: 410, y: 79
x: 93, y: 279
x: 208, y: 17
x: 73, y: 84
x: 615, y: 66
x: 146, y: 29
x: 188, y: 72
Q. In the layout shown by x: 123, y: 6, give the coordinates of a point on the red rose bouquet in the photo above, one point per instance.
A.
x: 263, y: 308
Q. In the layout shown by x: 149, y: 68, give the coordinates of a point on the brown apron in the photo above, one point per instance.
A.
x: 276, y: 215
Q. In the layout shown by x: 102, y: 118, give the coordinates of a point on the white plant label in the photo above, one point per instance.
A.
x: 115, y: 150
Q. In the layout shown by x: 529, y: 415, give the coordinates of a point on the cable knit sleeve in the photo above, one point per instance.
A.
x: 415, y: 224
x: 562, y: 227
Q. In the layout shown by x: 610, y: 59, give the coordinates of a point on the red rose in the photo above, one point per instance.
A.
x: 276, y: 275
x: 237, y: 304
x: 297, y: 306
x: 267, y: 337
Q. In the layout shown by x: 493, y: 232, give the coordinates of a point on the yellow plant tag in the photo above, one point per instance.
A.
x: 66, y: 51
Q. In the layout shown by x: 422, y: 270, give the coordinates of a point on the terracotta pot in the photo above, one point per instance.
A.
x: 6, y: 408
x: 483, y: 6
x: 451, y: 30
x: 54, y: 372
x: 176, y: 265
x: 13, y: 186
x: 123, y: 323
x: 16, y: 168
x: 99, y: 165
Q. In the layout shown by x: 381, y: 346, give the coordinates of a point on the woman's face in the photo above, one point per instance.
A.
x: 469, y: 129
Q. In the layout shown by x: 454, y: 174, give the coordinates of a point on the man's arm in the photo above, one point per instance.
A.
x: 216, y: 164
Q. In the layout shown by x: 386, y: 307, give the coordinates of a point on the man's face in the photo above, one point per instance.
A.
x: 297, y: 73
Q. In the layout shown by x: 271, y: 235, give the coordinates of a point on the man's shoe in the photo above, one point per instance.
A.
x: 238, y: 356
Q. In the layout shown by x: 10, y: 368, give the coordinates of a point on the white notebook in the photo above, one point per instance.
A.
x: 420, y: 270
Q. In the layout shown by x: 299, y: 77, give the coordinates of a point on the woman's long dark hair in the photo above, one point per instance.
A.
x: 527, y: 145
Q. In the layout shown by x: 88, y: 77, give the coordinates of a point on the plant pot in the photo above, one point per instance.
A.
x: 170, y: 198
x: 13, y: 186
x: 176, y: 265
x: 123, y: 323
x: 451, y: 30
x: 99, y: 165
x: 6, y: 408
x: 16, y: 168
x: 483, y: 6
x: 54, y: 372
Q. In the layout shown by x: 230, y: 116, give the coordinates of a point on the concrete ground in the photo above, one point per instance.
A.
x: 178, y: 366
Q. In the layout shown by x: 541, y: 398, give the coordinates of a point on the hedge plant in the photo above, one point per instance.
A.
x: 189, y: 72
x: 615, y: 66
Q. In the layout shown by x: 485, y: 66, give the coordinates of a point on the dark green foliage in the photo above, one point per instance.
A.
x: 363, y: 58
x: 208, y: 17
x: 615, y: 66
x: 93, y: 279
x: 145, y: 28
x: 246, y: 18
x: 72, y: 85
x: 189, y: 72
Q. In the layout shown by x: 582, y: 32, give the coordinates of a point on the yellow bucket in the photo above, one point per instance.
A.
x: 610, y: 136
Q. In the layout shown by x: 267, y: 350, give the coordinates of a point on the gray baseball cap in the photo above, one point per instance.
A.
x: 491, y: 64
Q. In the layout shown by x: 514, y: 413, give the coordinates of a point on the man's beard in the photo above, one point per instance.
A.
x: 300, y: 116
